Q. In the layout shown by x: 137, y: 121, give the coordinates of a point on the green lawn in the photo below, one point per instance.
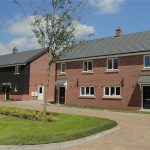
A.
x: 130, y: 111
x: 8, y: 100
x: 67, y: 127
x: 110, y: 109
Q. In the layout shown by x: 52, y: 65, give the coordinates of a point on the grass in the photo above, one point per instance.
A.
x: 8, y: 100
x: 129, y: 111
x: 110, y: 109
x: 17, y: 131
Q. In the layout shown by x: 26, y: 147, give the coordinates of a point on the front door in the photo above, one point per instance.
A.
x: 40, y: 92
x: 146, y: 97
x: 62, y: 95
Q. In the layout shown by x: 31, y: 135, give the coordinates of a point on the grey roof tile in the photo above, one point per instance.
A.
x: 129, y: 43
x: 20, y: 57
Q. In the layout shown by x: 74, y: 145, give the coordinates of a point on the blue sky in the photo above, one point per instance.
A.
x: 102, y: 17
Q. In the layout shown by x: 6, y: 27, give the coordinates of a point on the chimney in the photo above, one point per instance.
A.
x: 118, y: 32
x: 15, y: 50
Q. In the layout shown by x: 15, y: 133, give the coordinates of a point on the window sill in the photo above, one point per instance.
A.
x: 112, y: 71
x: 146, y: 69
x: 87, y: 72
x: 112, y: 97
x: 87, y: 97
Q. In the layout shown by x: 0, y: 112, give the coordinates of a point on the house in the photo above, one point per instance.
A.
x: 23, y: 75
x: 111, y: 72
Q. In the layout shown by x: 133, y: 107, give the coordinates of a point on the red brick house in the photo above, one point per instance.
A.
x: 109, y: 72
x: 23, y: 75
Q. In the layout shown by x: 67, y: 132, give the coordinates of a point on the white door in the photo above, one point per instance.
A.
x: 40, y: 92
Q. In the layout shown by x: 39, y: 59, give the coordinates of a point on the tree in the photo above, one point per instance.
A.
x: 54, y: 29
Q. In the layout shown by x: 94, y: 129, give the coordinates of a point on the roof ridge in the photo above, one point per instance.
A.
x: 127, y: 43
x: 103, y: 38
x: 22, y: 52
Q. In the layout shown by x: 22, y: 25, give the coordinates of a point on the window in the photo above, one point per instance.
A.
x: 15, y: 88
x: 112, y: 91
x: 17, y: 69
x: 87, y: 91
x: 146, y: 61
x: 87, y: 66
x: 112, y: 64
x: 63, y: 68
x: 40, y: 90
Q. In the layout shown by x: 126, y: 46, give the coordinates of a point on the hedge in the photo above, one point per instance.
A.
x: 25, y: 114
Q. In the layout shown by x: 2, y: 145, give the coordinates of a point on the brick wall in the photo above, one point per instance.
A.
x: 38, y: 73
x: 130, y: 67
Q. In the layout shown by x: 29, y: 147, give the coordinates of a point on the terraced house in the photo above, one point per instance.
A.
x: 111, y: 72
x: 23, y: 75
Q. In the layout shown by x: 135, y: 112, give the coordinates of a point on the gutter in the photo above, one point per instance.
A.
x: 13, y: 65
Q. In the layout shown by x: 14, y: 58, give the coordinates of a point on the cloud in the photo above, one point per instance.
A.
x: 21, y: 43
x: 107, y: 6
x: 21, y: 26
x: 3, y: 49
x: 83, y: 30
x: 24, y: 38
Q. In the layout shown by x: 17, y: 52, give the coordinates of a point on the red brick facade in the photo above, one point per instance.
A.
x: 129, y: 69
x: 38, y: 73
x: 37, y: 77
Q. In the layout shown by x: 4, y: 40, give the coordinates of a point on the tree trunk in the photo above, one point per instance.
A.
x: 47, y: 85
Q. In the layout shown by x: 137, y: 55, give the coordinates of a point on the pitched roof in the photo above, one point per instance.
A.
x: 20, y: 58
x: 129, y: 43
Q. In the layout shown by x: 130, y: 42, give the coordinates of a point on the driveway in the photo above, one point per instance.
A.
x: 133, y: 135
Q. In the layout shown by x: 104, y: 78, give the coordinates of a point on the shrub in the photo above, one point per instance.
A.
x: 25, y: 114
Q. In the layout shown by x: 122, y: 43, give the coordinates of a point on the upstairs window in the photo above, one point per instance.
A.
x: 17, y: 68
x: 112, y: 64
x: 87, y: 66
x: 147, y: 61
x: 87, y: 91
x: 63, y: 68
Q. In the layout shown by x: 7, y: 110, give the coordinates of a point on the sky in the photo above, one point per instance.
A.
x: 99, y: 18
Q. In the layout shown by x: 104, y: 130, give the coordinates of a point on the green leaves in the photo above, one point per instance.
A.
x: 55, y: 28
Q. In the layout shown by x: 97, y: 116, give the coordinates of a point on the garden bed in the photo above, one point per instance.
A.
x: 17, y: 131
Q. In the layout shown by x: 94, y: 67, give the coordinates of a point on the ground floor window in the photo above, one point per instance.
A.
x: 15, y: 88
x: 112, y: 91
x: 87, y: 91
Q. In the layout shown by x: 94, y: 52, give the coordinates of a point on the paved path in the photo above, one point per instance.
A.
x: 133, y: 135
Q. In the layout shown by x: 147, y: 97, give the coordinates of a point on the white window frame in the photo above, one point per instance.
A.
x: 144, y: 62
x: 112, y: 63
x: 85, y: 90
x: 17, y: 68
x: 62, y: 67
x: 110, y: 91
x: 88, y: 66
x: 15, y: 88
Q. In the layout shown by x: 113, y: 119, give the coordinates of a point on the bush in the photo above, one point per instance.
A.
x: 25, y: 114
